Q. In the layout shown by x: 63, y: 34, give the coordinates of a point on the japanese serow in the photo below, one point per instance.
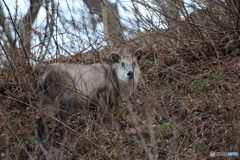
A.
x: 71, y: 85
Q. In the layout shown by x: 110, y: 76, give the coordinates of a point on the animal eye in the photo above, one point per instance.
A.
x: 123, y: 64
x: 134, y: 64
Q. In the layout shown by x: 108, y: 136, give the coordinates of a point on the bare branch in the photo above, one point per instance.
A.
x: 28, y: 20
x: 108, y: 14
x: 5, y: 25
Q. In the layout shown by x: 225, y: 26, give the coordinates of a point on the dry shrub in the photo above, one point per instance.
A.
x: 185, y: 106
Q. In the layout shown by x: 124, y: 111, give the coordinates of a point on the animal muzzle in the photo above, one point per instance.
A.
x: 130, y: 74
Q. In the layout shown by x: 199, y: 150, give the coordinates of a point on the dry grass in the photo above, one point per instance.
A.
x: 186, y: 105
x: 180, y: 111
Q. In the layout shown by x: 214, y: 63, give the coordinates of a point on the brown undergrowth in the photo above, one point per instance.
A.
x: 186, y: 105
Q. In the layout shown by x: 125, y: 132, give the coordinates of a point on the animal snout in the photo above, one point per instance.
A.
x: 130, y: 74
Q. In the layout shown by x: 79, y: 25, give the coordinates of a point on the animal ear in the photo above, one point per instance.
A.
x: 115, y: 57
x: 138, y: 54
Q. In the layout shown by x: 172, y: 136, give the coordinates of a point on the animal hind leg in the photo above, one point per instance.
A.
x: 39, y: 133
x: 41, y: 127
x: 65, y: 105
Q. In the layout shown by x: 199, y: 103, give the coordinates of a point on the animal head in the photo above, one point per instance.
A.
x: 127, y: 66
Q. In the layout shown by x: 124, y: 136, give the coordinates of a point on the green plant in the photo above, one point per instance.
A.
x: 122, y: 112
x: 203, y: 84
x: 165, y: 130
x: 14, y: 125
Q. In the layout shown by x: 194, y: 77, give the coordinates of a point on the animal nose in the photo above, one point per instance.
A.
x: 130, y: 74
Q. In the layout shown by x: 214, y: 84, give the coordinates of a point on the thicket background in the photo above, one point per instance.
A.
x: 186, y: 104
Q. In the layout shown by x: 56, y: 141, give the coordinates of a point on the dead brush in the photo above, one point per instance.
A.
x: 171, y: 116
x: 17, y: 110
x: 186, y: 104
